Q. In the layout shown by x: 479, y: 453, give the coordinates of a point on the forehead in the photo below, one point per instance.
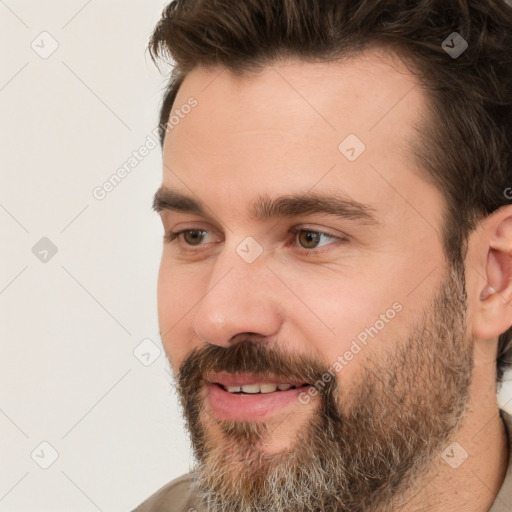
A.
x: 295, y: 126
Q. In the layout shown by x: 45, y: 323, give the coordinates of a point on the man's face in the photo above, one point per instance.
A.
x: 355, y: 304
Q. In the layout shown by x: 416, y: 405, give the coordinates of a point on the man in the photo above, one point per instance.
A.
x: 336, y: 279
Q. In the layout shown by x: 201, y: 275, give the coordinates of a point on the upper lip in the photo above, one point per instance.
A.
x: 241, y: 379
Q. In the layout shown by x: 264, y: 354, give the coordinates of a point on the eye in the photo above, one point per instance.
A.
x: 309, y: 240
x: 192, y: 237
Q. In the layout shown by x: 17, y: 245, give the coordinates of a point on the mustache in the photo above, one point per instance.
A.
x: 258, y: 357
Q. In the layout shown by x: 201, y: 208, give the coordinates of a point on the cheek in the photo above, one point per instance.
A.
x: 179, y: 288
x: 347, y: 319
x: 178, y: 293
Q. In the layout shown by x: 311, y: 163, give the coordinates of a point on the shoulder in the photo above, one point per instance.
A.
x: 503, y: 501
x: 175, y: 496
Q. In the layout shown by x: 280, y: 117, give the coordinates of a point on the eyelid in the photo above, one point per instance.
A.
x: 334, y: 233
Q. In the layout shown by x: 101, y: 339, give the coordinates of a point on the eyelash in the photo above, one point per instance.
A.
x: 173, y: 235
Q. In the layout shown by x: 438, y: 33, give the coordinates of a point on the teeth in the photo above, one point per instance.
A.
x: 251, y: 388
x: 268, y: 388
x: 265, y: 387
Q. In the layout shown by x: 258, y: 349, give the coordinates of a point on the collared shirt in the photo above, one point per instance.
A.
x: 177, y: 495
x: 503, y: 501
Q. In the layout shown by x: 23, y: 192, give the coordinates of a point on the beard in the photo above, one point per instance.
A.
x: 361, y: 448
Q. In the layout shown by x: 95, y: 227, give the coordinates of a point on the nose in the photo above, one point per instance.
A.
x: 239, y: 299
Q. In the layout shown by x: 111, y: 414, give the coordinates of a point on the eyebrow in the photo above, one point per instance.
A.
x: 266, y: 207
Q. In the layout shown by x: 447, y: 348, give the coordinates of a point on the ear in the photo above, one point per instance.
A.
x: 493, y: 310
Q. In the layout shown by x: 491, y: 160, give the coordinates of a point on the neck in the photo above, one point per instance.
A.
x: 473, y: 485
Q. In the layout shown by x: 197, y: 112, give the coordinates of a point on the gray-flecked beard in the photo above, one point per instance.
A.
x: 364, y: 447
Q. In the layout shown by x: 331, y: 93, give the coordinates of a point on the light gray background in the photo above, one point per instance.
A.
x: 69, y: 325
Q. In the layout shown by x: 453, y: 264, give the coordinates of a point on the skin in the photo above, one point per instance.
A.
x: 277, y: 133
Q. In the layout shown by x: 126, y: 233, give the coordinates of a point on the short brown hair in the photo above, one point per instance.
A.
x: 464, y: 143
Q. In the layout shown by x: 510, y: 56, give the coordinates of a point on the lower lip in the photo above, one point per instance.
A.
x: 230, y: 406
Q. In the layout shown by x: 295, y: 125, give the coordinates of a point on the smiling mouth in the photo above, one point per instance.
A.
x: 257, y: 388
x: 251, y: 397
x: 252, y: 384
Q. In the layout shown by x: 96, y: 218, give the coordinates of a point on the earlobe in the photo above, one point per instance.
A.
x: 487, y: 292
